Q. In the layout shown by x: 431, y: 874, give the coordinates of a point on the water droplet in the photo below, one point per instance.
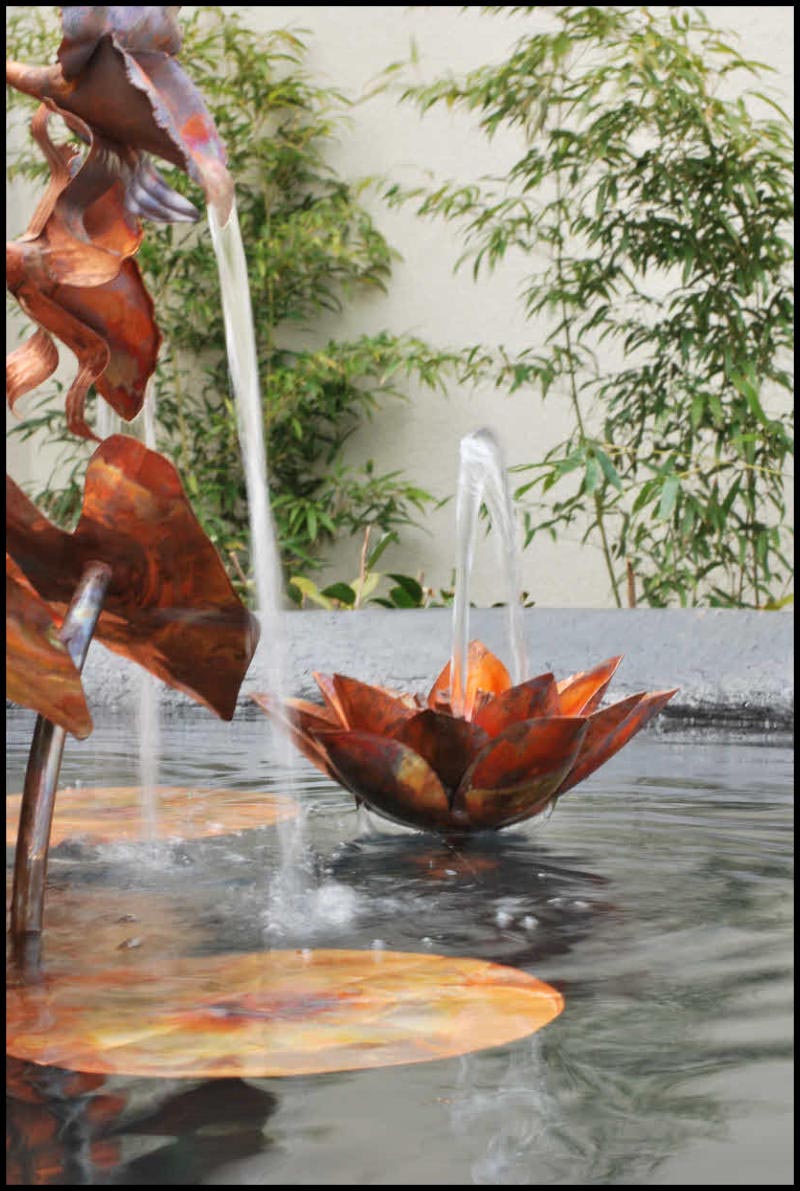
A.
x: 378, y: 945
x: 503, y: 918
x: 529, y: 922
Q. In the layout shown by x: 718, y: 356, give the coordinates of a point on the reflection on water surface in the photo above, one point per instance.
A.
x: 657, y: 899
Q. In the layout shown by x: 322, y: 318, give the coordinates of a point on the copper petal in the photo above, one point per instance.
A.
x: 138, y: 97
x: 485, y: 672
x: 30, y: 365
x: 390, y: 777
x: 368, y: 708
x: 448, y: 744
x: 121, y: 312
x: 132, y: 27
x: 90, y: 349
x: 327, y: 689
x: 581, y: 693
x: 530, y: 700
x: 39, y: 671
x: 609, y: 729
x: 518, y: 773
x: 301, y: 719
x: 170, y: 605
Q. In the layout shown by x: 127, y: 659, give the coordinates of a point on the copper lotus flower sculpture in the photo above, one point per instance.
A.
x: 169, y: 605
x: 117, y: 71
x: 515, y: 750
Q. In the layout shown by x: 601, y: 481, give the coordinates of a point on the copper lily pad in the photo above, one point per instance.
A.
x: 274, y: 1013
x: 39, y: 670
x: 170, y: 605
x: 108, y: 814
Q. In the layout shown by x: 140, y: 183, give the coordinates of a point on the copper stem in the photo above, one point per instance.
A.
x: 44, y: 764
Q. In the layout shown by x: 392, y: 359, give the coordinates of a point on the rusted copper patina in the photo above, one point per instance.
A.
x: 117, y: 71
x: 272, y: 1013
x: 39, y: 670
x: 72, y: 272
x: 515, y: 750
x: 170, y: 605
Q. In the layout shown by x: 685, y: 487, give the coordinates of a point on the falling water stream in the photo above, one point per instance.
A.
x: 291, y: 883
x: 148, y: 719
x: 482, y: 480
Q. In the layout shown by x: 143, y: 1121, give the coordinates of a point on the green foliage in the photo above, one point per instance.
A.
x: 661, y: 209
x: 311, y: 246
x: 389, y: 590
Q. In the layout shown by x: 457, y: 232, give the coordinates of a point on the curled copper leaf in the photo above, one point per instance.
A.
x: 170, y: 605
x: 274, y: 1013
x: 514, y: 751
x: 39, y: 671
x: 118, y: 72
x: 72, y: 272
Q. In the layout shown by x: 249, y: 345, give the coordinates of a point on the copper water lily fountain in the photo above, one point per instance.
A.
x: 513, y: 752
x: 138, y: 571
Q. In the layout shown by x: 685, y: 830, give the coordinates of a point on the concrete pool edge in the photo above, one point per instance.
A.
x: 734, y: 668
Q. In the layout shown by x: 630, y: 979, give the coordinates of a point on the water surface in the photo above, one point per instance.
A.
x: 657, y: 898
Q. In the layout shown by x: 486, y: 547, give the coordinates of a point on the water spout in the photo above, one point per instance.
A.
x: 482, y: 479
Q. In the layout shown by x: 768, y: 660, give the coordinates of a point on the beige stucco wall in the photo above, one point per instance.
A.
x: 349, y: 46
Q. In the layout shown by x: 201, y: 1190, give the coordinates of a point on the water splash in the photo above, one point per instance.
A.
x: 271, y: 662
x: 482, y: 479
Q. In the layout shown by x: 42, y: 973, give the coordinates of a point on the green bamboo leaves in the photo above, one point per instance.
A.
x: 662, y: 314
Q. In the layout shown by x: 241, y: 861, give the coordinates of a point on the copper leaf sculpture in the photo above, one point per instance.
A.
x: 72, y: 272
x: 39, y: 670
x: 170, y: 605
x: 516, y: 749
x: 118, y: 72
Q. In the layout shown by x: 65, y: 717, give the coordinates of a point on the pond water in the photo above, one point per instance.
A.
x: 657, y: 899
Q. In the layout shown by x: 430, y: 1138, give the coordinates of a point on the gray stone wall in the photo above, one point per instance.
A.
x: 732, y: 667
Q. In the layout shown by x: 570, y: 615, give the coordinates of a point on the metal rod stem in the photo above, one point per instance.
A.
x: 44, y: 764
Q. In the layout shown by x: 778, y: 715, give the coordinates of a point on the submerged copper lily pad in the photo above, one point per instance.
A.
x: 40, y: 673
x: 87, y: 927
x: 274, y: 1013
x: 108, y: 814
x: 170, y: 605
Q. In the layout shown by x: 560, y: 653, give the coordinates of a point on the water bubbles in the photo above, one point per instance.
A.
x: 503, y: 918
x: 529, y: 922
